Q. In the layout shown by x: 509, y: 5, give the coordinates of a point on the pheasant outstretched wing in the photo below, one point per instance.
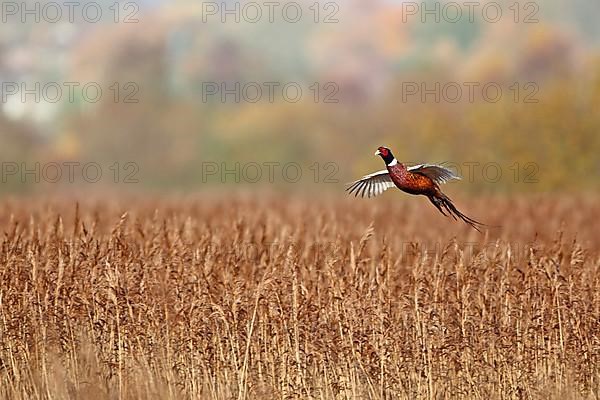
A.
x: 371, y: 185
x: 437, y: 173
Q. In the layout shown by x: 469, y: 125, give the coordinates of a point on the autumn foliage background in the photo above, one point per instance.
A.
x: 369, y: 54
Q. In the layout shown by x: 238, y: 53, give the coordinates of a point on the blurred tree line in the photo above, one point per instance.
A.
x: 542, y: 132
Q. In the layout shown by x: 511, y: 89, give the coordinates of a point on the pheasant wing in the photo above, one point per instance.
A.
x: 437, y: 173
x: 371, y: 185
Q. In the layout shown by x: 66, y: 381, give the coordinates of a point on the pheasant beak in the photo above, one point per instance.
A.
x: 377, y: 153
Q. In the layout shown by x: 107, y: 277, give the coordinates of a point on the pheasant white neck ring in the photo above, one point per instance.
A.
x: 393, y: 162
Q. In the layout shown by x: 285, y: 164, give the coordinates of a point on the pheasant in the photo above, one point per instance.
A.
x: 421, y: 179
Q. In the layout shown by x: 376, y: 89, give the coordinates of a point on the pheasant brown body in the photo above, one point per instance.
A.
x: 411, y: 182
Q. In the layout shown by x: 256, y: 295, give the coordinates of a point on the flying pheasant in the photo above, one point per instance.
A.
x: 421, y: 179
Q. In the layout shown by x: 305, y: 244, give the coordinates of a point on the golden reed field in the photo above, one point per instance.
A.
x: 288, y: 297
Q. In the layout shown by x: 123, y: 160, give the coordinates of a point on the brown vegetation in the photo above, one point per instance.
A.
x: 291, y: 298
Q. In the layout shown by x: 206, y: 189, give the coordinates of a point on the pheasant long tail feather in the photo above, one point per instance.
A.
x: 444, y: 201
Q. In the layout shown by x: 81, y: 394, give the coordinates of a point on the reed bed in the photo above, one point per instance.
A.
x: 283, y: 297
